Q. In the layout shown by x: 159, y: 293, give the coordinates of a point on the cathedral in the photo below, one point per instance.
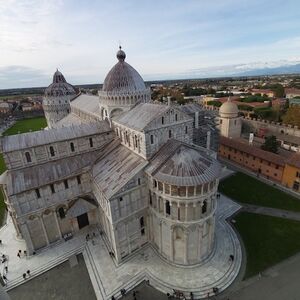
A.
x: 118, y: 161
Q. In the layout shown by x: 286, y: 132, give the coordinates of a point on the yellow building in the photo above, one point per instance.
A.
x: 291, y: 173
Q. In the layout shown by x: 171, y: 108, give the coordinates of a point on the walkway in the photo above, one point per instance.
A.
x: 269, y: 211
x: 277, y: 283
x: 108, y: 279
x: 216, y: 271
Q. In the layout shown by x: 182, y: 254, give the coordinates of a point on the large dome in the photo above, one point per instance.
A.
x: 59, y: 87
x: 123, y: 77
x: 228, y: 109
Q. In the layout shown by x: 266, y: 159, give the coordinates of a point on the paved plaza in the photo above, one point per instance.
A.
x: 60, y: 283
x: 108, y: 279
x: 280, y: 282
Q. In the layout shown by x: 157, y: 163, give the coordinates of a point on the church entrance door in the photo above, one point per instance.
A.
x: 83, y: 220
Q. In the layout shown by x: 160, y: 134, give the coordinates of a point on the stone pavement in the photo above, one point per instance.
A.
x: 269, y: 211
x: 146, y: 264
x: 280, y: 282
x: 107, y: 278
x: 62, y: 282
x: 39, y: 263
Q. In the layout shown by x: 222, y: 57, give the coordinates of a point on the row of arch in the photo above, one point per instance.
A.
x: 131, y: 139
x: 184, y: 191
x: 181, y: 211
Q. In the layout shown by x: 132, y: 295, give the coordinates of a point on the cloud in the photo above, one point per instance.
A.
x: 20, y: 76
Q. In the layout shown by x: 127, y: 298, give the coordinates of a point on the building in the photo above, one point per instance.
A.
x: 56, y: 102
x: 230, y: 122
x: 252, y: 158
x: 291, y: 93
x: 5, y: 107
x: 262, y: 92
x: 291, y: 174
x: 118, y: 161
x: 295, y: 101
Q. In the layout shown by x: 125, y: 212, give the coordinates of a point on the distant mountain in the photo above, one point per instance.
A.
x: 288, y: 69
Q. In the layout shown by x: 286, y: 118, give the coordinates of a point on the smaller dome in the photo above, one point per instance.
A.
x: 59, y: 86
x: 188, y: 167
x: 228, y: 109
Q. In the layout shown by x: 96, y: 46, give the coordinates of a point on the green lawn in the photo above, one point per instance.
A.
x: 268, y: 240
x: 26, y: 125
x: 21, y: 126
x: 246, y: 189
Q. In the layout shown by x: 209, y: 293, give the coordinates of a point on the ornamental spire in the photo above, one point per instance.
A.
x: 121, y: 54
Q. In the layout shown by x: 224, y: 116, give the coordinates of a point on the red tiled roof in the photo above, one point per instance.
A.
x: 292, y: 90
x: 294, y: 160
x: 252, y: 150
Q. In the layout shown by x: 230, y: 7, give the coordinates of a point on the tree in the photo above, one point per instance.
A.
x: 292, y: 116
x: 270, y: 144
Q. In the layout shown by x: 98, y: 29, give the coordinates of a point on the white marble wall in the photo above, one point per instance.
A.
x: 56, y: 108
x: 230, y: 127
x: 182, y: 223
x: 41, y: 154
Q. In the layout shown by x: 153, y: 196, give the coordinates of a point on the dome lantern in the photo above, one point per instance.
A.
x: 121, y: 54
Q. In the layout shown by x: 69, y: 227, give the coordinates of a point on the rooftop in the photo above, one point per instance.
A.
x: 43, y: 137
x: 141, y: 115
x: 115, y: 168
x: 252, y: 150
x: 180, y: 164
x: 36, y: 176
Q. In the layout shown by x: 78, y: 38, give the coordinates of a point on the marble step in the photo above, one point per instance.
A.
x: 46, y: 267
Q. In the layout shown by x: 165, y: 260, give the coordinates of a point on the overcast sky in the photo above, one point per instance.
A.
x: 162, y: 39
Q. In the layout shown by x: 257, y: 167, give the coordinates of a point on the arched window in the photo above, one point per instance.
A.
x: 204, y: 207
x: 61, y: 213
x: 151, y: 139
x: 170, y: 134
x: 162, y: 120
x: 72, y: 147
x: 135, y: 141
x: 28, y: 157
x: 176, y: 118
x: 142, y: 223
x: 52, y: 153
x: 186, y: 129
x: 91, y: 142
x: 168, y: 208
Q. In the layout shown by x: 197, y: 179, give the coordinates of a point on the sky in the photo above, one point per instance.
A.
x: 163, y: 39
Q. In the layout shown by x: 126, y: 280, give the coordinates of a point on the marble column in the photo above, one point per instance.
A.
x: 44, y: 230
x: 185, y: 254
x: 57, y: 224
x: 186, y: 212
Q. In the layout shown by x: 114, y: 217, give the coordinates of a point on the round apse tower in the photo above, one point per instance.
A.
x: 122, y: 89
x: 182, y: 195
x: 56, y: 102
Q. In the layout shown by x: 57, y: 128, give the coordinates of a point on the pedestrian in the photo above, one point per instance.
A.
x: 6, y: 269
x: 24, y: 275
x: 19, y: 255
x: 28, y: 272
x: 4, y: 279
x: 25, y: 252
x: 94, y: 234
x: 0, y: 242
